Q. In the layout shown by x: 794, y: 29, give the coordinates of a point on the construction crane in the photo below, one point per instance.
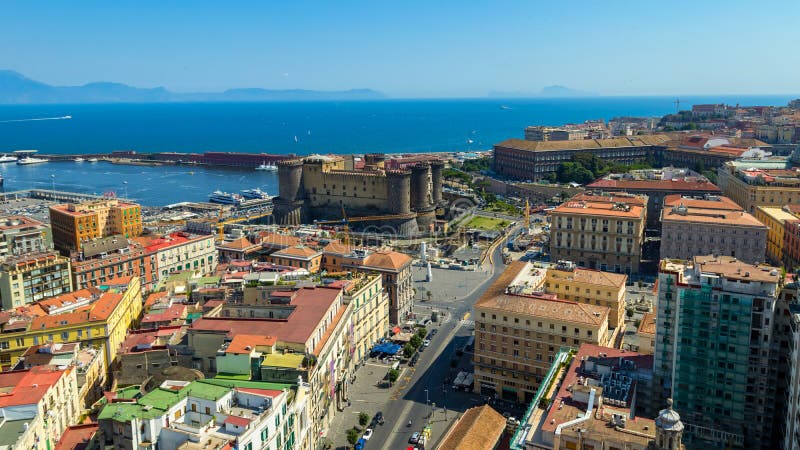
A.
x: 345, y: 229
x: 528, y: 215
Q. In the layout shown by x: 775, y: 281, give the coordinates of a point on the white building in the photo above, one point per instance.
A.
x: 181, y: 251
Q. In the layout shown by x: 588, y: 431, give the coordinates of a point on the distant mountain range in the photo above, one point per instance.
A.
x: 15, y: 88
x: 554, y: 91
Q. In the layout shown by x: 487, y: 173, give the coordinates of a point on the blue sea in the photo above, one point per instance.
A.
x: 391, y: 126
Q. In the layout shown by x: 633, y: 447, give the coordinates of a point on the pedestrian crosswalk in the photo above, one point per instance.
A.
x: 467, y: 323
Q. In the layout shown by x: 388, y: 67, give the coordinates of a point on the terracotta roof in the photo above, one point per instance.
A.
x: 278, y: 239
x: 247, y: 343
x: 262, y: 392
x: 722, y: 202
x: 585, y: 144
x: 174, y: 312
x: 238, y: 421
x: 310, y: 306
x: 338, y: 248
x: 654, y: 185
x: 388, y: 260
x: 77, y: 437
x: 239, y: 244
x: 732, y: 268
x: 501, y: 283
x: 28, y: 386
x: 710, y: 216
x: 97, y: 311
x: 589, y: 276
x: 648, y: 324
x: 157, y: 243
x: 298, y: 251
x: 545, y: 306
x: 598, y: 209
x: 480, y: 428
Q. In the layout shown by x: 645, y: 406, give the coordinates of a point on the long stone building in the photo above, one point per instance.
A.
x: 534, y: 160
x: 374, y: 199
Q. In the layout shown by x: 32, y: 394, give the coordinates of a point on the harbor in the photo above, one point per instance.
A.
x: 149, y: 185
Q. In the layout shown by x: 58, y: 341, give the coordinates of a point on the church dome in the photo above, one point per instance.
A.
x: 668, y: 419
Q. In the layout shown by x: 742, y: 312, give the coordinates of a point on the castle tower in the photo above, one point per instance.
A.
x: 436, y: 181
x: 289, y: 205
x: 420, y: 187
x: 399, y: 185
x: 669, y: 429
x: 374, y: 161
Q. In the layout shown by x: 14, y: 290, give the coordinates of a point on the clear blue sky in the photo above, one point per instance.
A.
x: 411, y: 48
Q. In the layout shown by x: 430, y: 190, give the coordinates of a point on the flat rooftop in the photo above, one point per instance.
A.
x: 547, y: 307
x: 585, y: 144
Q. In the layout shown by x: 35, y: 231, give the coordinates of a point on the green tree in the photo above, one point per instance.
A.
x: 363, y: 419
x: 393, y: 375
x: 415, y: 341
x: 408, y: 350
x: 422, y: 332
x: 352, y: 436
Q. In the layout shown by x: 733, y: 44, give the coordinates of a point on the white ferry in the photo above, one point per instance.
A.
x: 225, y: 198
x: 255, y: 194
x: 267, y: 167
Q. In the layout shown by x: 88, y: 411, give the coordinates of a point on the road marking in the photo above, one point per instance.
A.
x: 466, y: 315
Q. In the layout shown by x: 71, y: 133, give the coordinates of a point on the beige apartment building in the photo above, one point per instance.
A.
x: 754, y: 186
x: 603, y: 232
x: 591, y: 287
x: 713, y: 225
x: 518, y: 335
x: 776, y: 219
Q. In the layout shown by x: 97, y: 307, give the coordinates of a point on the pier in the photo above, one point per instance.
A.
x: 49, y: 194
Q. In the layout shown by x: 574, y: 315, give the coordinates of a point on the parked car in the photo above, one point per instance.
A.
x: 426, y: 342
x: 414, y: 360
x: 378, y: 419
x: 367, y: 434
x: 414, y: 438
x: 360, y: 444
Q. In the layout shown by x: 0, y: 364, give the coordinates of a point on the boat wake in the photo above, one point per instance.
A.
x: 37, y: 119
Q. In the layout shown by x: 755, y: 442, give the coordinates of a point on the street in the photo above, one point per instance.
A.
x: 423, y: 386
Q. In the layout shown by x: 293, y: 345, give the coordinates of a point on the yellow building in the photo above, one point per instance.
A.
x: 517, y: 335
x: 775, y: 219
x: 370, y: 311
x: 74, y: 223
x: 751, y: 187
x: 591, y: 287
x: 602, y: 232
x: 99, y: 317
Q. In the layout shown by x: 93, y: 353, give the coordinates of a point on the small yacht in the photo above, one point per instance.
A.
x: 267, y: 167
x: 79, y: 159
x: 31, y: 160
x: 92, y: 159
x: 7, y: 159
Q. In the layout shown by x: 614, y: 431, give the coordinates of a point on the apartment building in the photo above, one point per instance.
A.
x: 75, y: 223
x: 209, y: 414
x: 21, y: 234
x: 592, y: 287
x: 711, y: 225
x: 542, y: 133
x: 98, y: 317
x: 534, y: 160
x: 517, y: 335
x: 311, y: 327
x: 603, y: 232
x: 30, y: 277
x: 656, y: 184
x: 37, y: 406
x: 714, y: 350
x: 394, y: 267
x: 107, y: 258
x: 370, y: 311
x: 791, y: 430
x: 599, y: 403
x: 180, y: 251
x: 770, y: 182
x: 791, y: 239
x: 777, y: 221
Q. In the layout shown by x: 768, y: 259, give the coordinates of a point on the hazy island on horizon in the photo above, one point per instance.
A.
x: 17, y: 89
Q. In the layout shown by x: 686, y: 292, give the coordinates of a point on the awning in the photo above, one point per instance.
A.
x: 395, y: 330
